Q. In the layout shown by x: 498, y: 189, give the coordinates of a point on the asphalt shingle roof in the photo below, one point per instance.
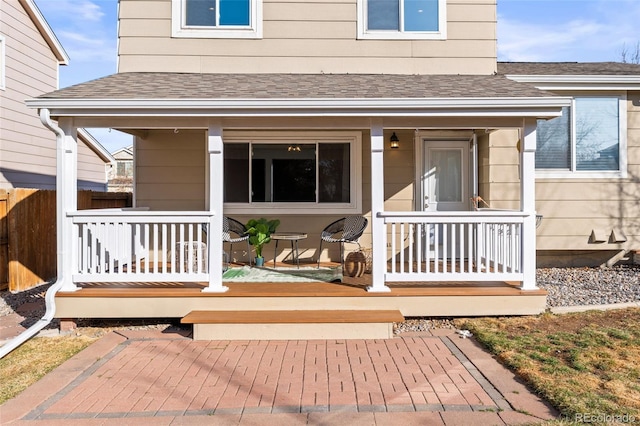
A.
x: 330, y: 86
x: 292, y: 86
x: 568, y: 68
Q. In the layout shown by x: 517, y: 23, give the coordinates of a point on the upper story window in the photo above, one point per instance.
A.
x: 2, y: 63
x: 589, y: 139
x: 308, y: 173
x: 402, y: 19
x: 217, y: 18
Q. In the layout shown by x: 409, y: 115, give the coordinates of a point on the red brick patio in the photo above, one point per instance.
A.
x: 148, y: 377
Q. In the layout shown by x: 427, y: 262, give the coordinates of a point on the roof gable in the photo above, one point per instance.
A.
x: 45, y: 30
x: 95, y: 146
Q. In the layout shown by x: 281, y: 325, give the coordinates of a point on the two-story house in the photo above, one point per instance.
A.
x: 121, y: 173
x: 310, y: 111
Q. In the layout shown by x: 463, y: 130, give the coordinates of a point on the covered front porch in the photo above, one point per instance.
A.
x: 427, y: 257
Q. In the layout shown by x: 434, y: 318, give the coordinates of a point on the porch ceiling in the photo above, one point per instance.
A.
x: 237, y: 95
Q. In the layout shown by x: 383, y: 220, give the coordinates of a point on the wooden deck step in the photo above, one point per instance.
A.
x: 292, y: 324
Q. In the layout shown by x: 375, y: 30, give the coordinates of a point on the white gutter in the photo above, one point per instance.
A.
x: 51, y: 293
x: 593, y: 79
x: 579, y: 82
x: 407, y: 107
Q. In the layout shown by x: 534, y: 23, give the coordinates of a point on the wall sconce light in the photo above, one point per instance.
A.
x: 395, y: 142
x: 294, y: 148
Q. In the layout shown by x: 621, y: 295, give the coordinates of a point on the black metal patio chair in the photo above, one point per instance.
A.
x: 234, y: 231
x: 345, y: 230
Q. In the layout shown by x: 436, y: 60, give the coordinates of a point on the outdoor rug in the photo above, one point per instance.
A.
x: 282, y: 275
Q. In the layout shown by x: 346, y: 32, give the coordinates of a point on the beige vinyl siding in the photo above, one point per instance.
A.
x: 170, y: 170
x: 27, y: 148
x: 308, y: 37
x: 499, y: 180
x: 572, y: 207
x: 92, y: 172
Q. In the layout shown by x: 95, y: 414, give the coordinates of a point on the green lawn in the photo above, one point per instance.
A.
x: 35, y: 358
x: 585, y: 364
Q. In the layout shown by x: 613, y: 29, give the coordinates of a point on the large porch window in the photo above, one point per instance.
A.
x: 292, y: 173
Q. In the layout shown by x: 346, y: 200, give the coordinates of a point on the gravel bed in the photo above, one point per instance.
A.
x: 566, y: 287
x: 590, y: 286
x: 29, y: 303
x: 422, y: 324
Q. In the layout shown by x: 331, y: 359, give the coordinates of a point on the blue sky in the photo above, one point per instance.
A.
x: 528, y: 30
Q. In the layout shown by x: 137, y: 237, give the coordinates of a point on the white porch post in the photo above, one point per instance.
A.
x: 66, y: 201
x: 215, y: 205
x: 528, y: 203
x: 378, y: 230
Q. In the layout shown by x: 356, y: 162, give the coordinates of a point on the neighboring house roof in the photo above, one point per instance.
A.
x: 297, y: 86
x: 45, y: 30
x: 124, y: 153
x: 568, y: 68
x: 95, y: 146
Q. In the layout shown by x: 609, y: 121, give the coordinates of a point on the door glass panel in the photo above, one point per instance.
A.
x: 448, y: 166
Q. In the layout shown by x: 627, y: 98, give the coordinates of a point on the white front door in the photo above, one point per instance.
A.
x: 445, y: 177
x: 445, y: 187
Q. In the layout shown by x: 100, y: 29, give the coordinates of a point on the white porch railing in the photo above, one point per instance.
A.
x: 130, y: 245
x: 455, y: 246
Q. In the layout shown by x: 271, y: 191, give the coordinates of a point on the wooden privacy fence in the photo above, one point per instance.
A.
x: 28, y: 232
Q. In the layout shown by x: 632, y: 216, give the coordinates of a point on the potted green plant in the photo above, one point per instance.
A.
x: 259, y: 231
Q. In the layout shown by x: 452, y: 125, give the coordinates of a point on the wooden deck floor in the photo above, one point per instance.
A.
x: 177, y: 299
x: 350, y: 287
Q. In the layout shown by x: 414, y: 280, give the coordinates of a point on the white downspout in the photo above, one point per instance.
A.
x: 50, y: 295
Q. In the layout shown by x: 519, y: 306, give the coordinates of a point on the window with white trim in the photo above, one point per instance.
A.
x: 3, y: 60
x: 216, y: 18
x: 588, y: 139
x: 300, y: 174
x: 402, y: 19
